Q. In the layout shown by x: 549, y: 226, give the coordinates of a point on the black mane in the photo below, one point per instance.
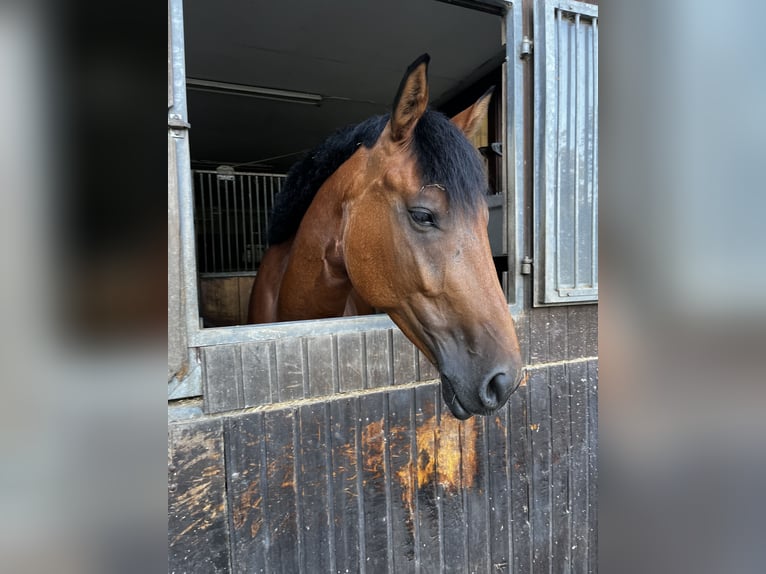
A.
x: 444, y: 156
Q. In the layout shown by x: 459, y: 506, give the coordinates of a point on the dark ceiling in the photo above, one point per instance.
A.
x: 353, y: 53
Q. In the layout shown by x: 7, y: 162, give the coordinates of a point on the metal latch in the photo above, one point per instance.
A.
x: 526, y: 47
x: 526, y: 266
x: 177, y: 125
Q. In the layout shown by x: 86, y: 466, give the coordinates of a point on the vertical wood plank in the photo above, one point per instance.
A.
x: 404, y: 359
x: 284, y: 549
x: 351, y: 371
x: 561, y: 543
x: 579, y: 460
x: 539, y: 419
x: 246, y: 494
x: 312, y: 487
x: 449, y: 463
x: 378, y: 359
x: 349, y: 551
x: 521, y: 322
x: 539, y: 323
x: 576, y: 336
x: 373, y: 445
x: 592, y: 466
x: 427, y: 371
x: 222, y: 378
x: 428, y: 503
x: 498, y: 499
x: 198, y: 528
x: 557, y: 334
x: 322, y: 368
x: 290, y: 368
x: 475, y: 484
x: 257, y: 373
x: 403, y: 480
x: 521, y: 495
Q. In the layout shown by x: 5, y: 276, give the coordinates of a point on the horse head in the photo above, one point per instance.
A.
x: 415, y: 245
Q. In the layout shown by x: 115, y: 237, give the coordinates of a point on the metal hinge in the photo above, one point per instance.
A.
x: 526, y: 266
x: 177, y: 125
x: 526, y: 47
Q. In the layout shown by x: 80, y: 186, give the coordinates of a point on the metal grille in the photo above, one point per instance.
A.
x: 231, y: 219
x: 567, y: 197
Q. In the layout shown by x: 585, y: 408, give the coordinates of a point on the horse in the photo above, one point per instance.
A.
x: 390, y: 215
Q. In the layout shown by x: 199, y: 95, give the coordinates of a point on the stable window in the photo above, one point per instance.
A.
x: 566, y: 153
x: 244, y: 78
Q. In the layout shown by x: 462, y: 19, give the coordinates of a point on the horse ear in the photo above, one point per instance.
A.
x: 411, y: 100
x: 469, y: 120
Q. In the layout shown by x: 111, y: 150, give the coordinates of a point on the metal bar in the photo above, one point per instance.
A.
x: 293, y: 329
x: 560, y: 133
x: 253, y: 244
x: 594, y: 179
x: 199, y: 194
x: 211, y: 240
x: 575, y: 86
x: 258, y: 213
x: 237, y: 216
x: 226, y: 194
x: 220, y: 266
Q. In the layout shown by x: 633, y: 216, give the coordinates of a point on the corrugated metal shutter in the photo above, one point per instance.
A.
x: 566, y: 152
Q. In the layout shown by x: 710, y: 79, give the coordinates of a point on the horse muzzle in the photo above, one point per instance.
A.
x: 465, y: 400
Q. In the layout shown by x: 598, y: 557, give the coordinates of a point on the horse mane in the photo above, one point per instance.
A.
x: 443, y: 154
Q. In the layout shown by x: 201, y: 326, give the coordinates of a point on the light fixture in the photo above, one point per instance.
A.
x: 253, y: 91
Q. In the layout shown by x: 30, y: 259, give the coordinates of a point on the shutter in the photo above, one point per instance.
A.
x: 566, y: 152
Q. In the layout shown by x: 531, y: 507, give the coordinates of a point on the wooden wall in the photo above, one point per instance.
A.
x: 336, y: 454
x: 224, y: 300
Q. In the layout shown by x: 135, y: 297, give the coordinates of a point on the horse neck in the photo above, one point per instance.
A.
x: 315, y: 283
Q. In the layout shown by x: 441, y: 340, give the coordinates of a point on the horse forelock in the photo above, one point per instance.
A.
x: 446, y: 157
x: 443, y: 154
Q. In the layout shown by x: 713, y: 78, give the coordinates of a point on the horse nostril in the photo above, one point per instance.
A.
x: 497, y: 390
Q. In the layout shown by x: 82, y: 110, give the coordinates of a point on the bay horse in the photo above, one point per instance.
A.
x: 390, y: 215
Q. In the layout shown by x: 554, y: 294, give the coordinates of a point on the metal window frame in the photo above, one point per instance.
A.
x: 546, y: 290
x: 197, y: 337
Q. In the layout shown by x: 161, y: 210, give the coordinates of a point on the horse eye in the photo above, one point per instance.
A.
x: 422, y: 217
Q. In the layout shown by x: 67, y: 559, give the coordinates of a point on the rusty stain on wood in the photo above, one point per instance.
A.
x: 446, y: 455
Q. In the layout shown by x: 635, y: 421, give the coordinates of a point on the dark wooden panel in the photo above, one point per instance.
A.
x: 540, y: 434
x: 557, y: 334
x: 284, y: 551
x: 429, y: 524
x: 374, y: 452
x: 497, y: 449
x: 521, y: 495
x: 223, y: 378
x: 322, y: 367
x: 351, y: 371
x: 475, y: 478
x: 247, y: 492
x: 582, y: 331
x: 539, y: 323
x: 290, y: 369
x: 404, y: 359
x: 426, y: 369
x: 579, y: 457
x: 312, y: 486
x: 592, y: 466
x: 257, y: 373
x: 198, y: 529
x: 454, y: 477
x: 378, y: 359
x: 403, y: 479
x: 521, y: 322
x: 561, y: 544
x: 346, y: 498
